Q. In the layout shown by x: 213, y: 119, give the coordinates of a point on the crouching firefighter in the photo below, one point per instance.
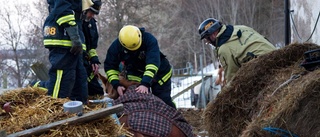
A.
x: 235, y: 44
x: 143, y: 61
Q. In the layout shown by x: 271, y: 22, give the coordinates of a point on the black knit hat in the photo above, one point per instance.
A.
x: 96, y: 6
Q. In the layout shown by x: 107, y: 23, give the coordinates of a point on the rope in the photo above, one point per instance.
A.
x: 314, y: 28
x: 293, y: 77
x: 279, y: 131
x: 296, y: 31
x: 295, y: 28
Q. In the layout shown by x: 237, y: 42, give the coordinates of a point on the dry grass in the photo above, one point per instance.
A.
x: 247, y: 105
x: 31, y: 107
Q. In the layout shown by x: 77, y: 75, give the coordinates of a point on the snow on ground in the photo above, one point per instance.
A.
x: 2, y: 90
x: 178, y: 84
x: 184, y: 100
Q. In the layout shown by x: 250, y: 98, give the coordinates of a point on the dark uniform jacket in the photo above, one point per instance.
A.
x: 62, y: 14
x: 147, y: 56
x: 90, y: 31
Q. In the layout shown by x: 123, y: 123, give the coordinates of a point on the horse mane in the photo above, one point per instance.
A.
x: 112, y: 93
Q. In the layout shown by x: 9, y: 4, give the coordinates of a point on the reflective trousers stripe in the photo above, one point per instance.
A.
x: 165, y: 77
x: 57, y: 84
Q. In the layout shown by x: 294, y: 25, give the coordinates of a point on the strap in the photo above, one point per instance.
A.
x: 279, y: 131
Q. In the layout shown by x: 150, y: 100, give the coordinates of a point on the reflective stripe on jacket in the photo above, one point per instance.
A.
x: 63, y: 13
x: 145, y: 65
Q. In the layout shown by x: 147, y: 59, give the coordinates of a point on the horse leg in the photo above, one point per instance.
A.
x: 124, y: 120
x: 176, y: 132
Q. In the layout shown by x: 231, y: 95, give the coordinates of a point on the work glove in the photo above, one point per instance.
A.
x: 75, y: 39
x: 119, y: 88
x: 94, y: 60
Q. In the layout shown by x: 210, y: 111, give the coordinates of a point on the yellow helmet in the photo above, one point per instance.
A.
x: 130, y: 37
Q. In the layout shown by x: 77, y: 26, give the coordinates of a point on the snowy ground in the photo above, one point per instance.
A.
x: 2, y: 90
x: 184, y: 100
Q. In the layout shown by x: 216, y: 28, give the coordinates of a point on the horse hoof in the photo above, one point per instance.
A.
x: 6, y: 107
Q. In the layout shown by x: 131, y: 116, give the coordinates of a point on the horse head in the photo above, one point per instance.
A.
x: 112, y: 93
x: 155, y: 108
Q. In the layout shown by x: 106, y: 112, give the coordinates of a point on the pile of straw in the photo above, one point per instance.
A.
x: 31, y: 107
x: 256, y: 101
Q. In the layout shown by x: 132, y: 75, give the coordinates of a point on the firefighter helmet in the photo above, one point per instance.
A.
x: 209, y: 26
x: 130, y: 37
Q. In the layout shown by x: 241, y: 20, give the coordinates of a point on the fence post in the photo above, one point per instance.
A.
x: 202, y: 104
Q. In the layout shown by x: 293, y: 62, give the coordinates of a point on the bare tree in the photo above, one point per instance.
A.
x: 173, y: 22
x: 12, y: 34
x: 264, y: 16
x: 35, y: 35
x: 19, y: 36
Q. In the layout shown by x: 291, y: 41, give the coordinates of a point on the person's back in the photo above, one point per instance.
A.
x: 247, y: 40
x: 243, y: 45
x: 236, y: 44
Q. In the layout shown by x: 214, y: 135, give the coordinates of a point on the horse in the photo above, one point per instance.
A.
x: 146, y: 115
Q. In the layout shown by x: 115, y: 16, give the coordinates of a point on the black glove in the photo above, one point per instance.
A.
x: 75, y: 39
x: 94, y: 60
x: 115, y: 86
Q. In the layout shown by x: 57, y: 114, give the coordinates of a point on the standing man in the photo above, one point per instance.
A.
x: 64, y: 39
x: 140, y: 53
x: 235, y: 45
x: 91, y: 60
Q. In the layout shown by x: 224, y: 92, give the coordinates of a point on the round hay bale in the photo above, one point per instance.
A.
x: 245, y: 99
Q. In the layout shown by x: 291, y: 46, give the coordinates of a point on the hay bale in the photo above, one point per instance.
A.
x: 248, y: 97
x: 295, y: 109
x: 31, y: 107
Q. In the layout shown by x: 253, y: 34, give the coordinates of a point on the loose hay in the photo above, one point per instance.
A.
x: 246, y: 106
x: 31, y: 107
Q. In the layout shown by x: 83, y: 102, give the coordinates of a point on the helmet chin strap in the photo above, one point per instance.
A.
x: 85, y: 17
x: 212, y: 41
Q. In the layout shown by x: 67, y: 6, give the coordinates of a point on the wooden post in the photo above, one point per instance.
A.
x: 195, y: 63
x: 41, y: 71
x: 73, y: 120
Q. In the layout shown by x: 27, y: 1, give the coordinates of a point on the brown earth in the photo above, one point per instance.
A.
x: 195, y: 119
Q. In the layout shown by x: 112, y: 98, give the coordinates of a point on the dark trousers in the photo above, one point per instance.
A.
x: 94, y: 87
x: 163, y: 92
x: 67, y: 75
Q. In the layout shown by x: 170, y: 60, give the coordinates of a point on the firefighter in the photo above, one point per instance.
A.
x: 91, y: 60
x: 143, y: 61
x: 235, y: 45
x: 64, y: 39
